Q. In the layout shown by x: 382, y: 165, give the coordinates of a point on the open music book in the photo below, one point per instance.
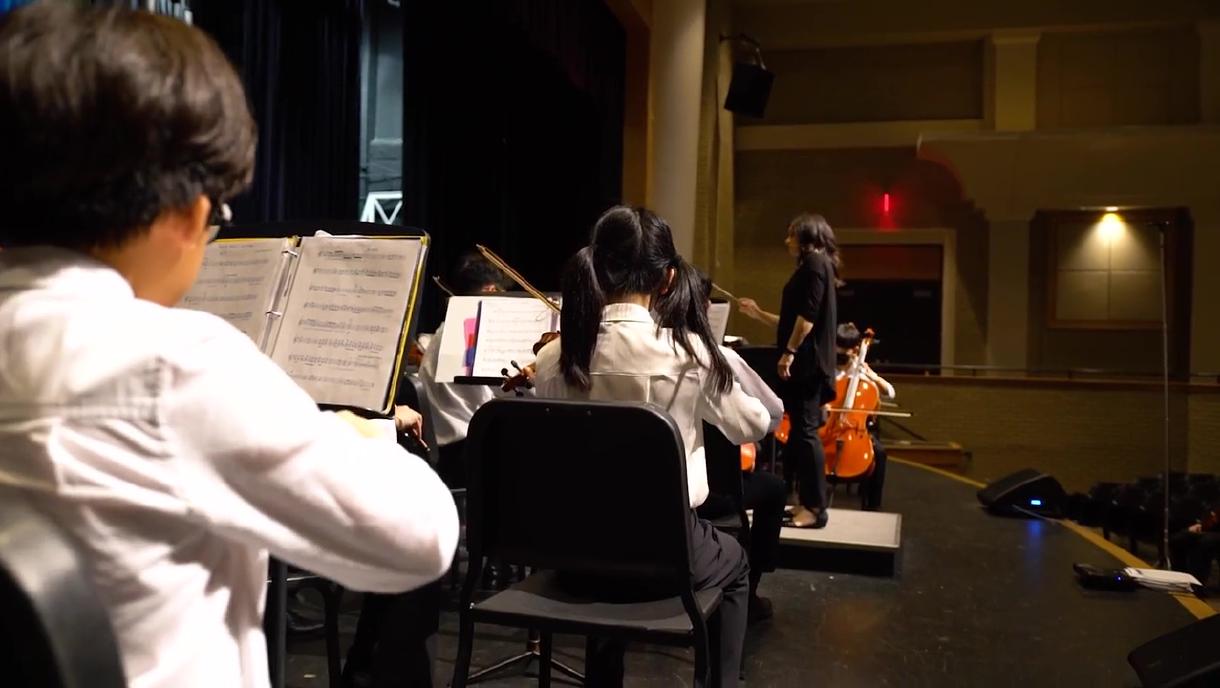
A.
x: 483, y: 335
x: 718, y: 317
x: 333, y: 312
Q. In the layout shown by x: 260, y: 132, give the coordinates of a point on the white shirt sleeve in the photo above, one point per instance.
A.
x: 754, y: 386
x: 741, y: 417
x: 259, y: 463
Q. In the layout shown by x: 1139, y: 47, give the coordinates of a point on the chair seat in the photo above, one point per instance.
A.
x: 726, y: 522
x: 540, y: 602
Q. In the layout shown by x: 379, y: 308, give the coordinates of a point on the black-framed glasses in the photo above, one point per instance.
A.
x: 220, y: 216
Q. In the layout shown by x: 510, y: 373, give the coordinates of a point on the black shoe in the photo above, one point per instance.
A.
x: 822, y: 520
x: 760, y: 609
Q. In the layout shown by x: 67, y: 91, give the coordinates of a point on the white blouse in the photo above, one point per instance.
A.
x: 636, y: 361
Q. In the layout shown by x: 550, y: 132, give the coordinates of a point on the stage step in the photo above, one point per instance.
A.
x: 865, y: 542
x: 949, y: 455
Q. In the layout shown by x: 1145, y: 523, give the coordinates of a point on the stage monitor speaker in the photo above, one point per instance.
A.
x: 749, y: 90
x: 1024, y: 493
x: 1186, y: 658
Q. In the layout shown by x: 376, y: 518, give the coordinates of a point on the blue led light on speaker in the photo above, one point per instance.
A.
x: 1035, y: 502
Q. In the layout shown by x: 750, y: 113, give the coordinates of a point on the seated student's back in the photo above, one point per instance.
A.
x: 176, y: 453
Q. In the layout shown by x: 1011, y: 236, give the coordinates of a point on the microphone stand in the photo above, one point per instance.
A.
x: 1162, y: 229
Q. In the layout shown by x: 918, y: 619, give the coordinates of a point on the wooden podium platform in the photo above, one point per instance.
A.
x: 866, y: 542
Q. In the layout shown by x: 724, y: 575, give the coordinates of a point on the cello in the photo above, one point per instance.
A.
x: 845, y: 437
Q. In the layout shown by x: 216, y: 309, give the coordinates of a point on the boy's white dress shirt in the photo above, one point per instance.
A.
x: 178, y: 456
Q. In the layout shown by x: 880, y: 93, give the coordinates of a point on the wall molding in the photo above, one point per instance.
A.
x: 847, y: 135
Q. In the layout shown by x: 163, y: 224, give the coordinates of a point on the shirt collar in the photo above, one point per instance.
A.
x: 48, y: 267
x: 626, y: 312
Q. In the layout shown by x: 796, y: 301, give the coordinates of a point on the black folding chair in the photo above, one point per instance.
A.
x: 583, y: 488
x: 762, y: 360
x: 723, y: 460
x: 54, y: 631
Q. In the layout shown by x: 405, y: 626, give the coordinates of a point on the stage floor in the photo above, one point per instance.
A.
x: 977, y: 601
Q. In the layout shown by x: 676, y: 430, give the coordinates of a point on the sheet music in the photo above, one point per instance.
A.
x: 237, y: 280
x: 508, y: 328
x: 718, y: 318
x: 343, y: 321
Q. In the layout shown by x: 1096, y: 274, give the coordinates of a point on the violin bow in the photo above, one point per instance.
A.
x: 724, y: 291
x: 440, y: 283
x: 516, y: 276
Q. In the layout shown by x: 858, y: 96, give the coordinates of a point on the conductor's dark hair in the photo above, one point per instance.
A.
x: 110, y: 116
x: 813, y: 233
x: 632, y: 251
x: 472, y: 273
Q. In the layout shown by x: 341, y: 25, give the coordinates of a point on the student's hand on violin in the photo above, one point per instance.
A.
x: 1196, y: 528
x: 784, y: 367
x: 410, y: 422
x: 522, y: 379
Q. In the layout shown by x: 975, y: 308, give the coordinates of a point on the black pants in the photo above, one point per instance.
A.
x: 804, y: 449
x: 395, y: 640
x: 1194, y: 553
x: 765, y: 493
x: 451, y: 466
x: 874, y: 484
x: 717, y: 562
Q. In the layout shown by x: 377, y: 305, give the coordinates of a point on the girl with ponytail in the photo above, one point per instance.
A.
x: 635, y: 329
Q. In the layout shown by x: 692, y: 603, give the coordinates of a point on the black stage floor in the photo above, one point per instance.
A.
x: 976, y: 601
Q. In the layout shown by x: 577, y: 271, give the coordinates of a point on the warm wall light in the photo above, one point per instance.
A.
x: 1111, y: 227
x: 1111, y: 209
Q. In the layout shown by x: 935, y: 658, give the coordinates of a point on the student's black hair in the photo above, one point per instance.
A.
x: 847, y: 336
x: 631, y: 251
x: 472, y: 273
x: 110, y: 116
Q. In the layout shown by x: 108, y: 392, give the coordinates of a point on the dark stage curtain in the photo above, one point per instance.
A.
x: 300, y: 63
x: 513, y: 115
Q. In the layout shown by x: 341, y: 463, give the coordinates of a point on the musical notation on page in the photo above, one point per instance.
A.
x: 236, y: 283
x: 350, y: 298
x: 508, y: 328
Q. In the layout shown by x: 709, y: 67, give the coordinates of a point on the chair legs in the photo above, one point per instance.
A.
x: 334, y: 664
x: 544, y: 661
x: 703, y: 669
x: 461, y: 665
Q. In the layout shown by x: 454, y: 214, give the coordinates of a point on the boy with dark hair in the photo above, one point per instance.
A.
x: 847, y: 339
x: 454, y: 405
x: 176, y: 454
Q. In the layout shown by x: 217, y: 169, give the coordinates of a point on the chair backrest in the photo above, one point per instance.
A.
x: 587, y: 487
x: 762, y: 360
x: 411, y: 391
x: 53, y: 623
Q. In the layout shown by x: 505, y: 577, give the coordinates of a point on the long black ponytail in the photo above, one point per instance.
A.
x: 632, y: 251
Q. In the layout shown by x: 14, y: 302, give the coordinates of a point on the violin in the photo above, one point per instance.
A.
x: 845, y: 437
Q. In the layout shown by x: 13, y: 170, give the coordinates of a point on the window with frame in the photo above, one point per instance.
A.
x: 1105, y: 271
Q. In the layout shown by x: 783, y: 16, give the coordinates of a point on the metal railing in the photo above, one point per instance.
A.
x: 985, y: 371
